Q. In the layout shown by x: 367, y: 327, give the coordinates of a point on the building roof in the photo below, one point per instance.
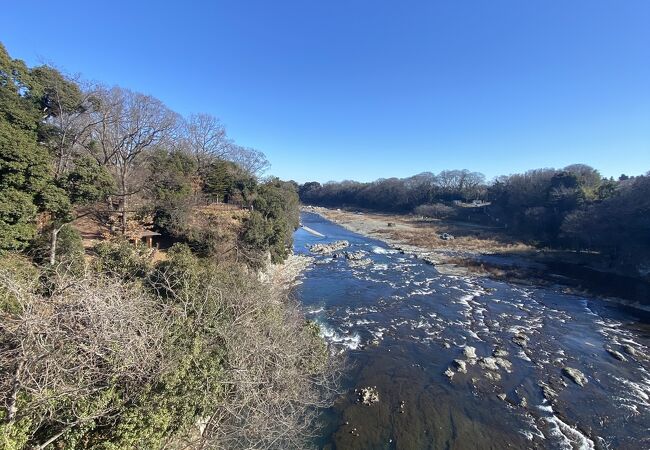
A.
x: 148, y: 234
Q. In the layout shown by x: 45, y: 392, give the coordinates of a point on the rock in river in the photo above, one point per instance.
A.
x: 324, y: 249
x: 461, y: 365
x: 521, y: 340
x: 578, y: 377
x: 470, y: 352
x: 488, y: 363
x: 616, y: 354
x: 355, y: 256
x: 368, y: 395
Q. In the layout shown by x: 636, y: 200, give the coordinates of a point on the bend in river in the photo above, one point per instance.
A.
x: 469, y: 362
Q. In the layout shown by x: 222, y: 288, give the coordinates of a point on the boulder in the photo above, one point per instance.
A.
x: 616, y: 354
x: 504, y: 364
x: 494, y: 376
x: 368, y: 395
x: 469, y: 352
x: 578, y: 377
x: 549, y: 393
x: 460, y: 365
x: 355, y: 256
x: 324, y: 249
x: 489, y: 363
x: 631, y: 350
x: 360, y: 263
x: 521, y: 340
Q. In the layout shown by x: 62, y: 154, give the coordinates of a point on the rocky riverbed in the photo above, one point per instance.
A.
x: 464, y: 361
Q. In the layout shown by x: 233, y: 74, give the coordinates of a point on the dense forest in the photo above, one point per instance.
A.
x: 573, y: 208
x: 108, y: 343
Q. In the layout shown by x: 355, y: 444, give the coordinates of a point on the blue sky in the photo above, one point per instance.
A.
x: 363, y: 89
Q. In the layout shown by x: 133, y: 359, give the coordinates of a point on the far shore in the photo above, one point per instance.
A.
x: 477, y: 250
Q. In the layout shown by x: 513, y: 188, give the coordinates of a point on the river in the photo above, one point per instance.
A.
x: 401, y: 325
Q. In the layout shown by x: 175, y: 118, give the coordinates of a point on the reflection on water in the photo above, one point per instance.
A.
x: 403, y: 325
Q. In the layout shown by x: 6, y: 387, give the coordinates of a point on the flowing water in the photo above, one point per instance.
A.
x: 401, y: 325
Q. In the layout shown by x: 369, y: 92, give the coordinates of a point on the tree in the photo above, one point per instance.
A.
x: 248, y: 159
x: 129, y: 125
x: 74, y: 357
x: 65, y: 110
x: 206, y: 139
x: 24, y: 165
x: 271, y: 225
x: 227, y: 182
x: 86, y: 184
x: 170, y: 185
x: 436, y: 210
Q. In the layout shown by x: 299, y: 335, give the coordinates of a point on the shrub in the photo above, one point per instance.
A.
x: 119, y: 257
x: 69, y: 249
x: 435, y: 210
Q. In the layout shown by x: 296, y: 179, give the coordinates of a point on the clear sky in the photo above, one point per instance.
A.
x: 363, y: 89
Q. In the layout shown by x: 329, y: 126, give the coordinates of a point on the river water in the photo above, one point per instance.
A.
x: 401, y: 325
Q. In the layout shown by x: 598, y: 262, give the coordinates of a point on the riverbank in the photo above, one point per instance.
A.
x: 286, y: 275
x: 422, y: 238
x: 486, y: 251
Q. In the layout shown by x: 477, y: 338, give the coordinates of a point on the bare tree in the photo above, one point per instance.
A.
x: 278, y: 375
x: 250, y: 160
x: 64, y: 351
x: 129, y: 124
x: 67, y: 106
x: 206, y: 139
x: 64, y: 355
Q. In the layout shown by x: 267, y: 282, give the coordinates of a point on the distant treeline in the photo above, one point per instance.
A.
x: 574, y: 207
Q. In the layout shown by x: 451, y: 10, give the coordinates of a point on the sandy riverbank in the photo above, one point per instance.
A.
x: 422, y: 238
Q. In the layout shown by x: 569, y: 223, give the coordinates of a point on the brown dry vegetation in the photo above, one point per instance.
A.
x: 425, y: 233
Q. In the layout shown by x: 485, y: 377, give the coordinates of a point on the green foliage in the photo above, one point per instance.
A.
x: 23, y: 164
x: 169, y: 186
x: 120, y: 257
x: 70, y: 250
x: 619, y: 225
x: 257, y: 232
x: 15, y: 81
x: 271, y: 225
x: 15, y: 435
x: 52, y: 92
x: 313, y: 362
x: 26, y: 183
x: 55, y: 201
x: 171, y: 175
x: 17, y: 215
x: 226, y: 182
x: 23, y: 177
x: 88, y: 182
x: 23, y: 271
